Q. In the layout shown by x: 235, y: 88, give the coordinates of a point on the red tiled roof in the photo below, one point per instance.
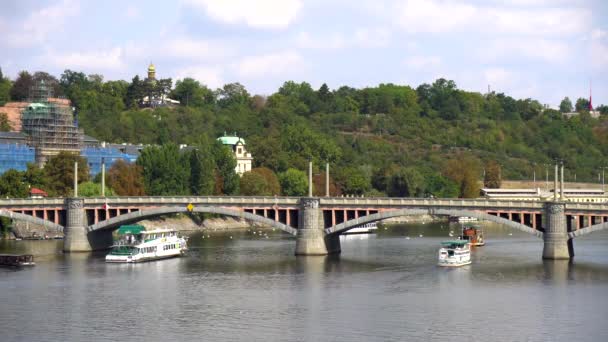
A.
x: 36, y: 191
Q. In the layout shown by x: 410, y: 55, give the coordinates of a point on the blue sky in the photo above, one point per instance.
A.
x: 543, y: 49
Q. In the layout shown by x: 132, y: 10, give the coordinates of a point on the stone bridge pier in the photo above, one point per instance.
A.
x: 557, y: 243
x: 311, y: 238
x: 77, y: 238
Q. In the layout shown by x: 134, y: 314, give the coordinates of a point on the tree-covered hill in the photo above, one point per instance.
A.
x: 390, y: 139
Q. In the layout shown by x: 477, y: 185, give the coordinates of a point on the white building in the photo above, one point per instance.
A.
x: 243, y: 158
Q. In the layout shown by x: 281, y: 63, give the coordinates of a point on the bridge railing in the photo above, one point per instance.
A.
x: 182, y: 200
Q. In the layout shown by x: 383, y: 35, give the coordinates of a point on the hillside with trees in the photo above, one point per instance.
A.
x: 389, y: 140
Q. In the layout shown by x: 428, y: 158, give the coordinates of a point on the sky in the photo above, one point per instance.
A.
x: 540, y: 49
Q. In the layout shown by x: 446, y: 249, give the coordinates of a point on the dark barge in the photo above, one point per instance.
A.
x: 17, y: 260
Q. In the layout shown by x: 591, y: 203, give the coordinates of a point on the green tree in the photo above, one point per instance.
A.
x: 5, y: 89
x: 566, y: 105
x: 12, y: 185
x: 202, y: 174
x: 353, y: 181
x: 582, y: 104
x: 407, y: 182
x: 293, y: 182
x: 226, y: 179
x: 59, y: 172
x: 5, y: 125
x: 92, y: 189
x: 165, y: 170
x: 191, y: 93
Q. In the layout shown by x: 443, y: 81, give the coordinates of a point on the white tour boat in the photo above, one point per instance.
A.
x: 367, y: 228
x: 135, y: 244
x: 454, y: 253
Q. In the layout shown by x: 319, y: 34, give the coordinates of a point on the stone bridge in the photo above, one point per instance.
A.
x: 316, y: 223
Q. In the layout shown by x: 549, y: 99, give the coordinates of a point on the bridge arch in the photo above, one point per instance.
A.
x: 345, y: 226
x: 30, y: 219
x: 135, y: 216
x: 588, y: 230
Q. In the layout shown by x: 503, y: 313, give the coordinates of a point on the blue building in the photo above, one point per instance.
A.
x: 15, y: 153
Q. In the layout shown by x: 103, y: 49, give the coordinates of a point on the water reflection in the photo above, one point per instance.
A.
x: 382, y: 287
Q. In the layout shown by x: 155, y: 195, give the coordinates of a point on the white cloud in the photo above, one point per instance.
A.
x: 422, y: 62
x: 286, y: 62
x: 441, y: 16
x: 42, y: 23
x: 90, y: 61
x: 434, y: 16
x: 362, y: 38
x: 195, y: 49
x: 553, y: 51
x: 209, y: 76
x: 498, y: 77
x: 599, y: 34
x: 270, y: 14
x: 132, y: 12
x: 599, y: 49
x: 372, y: 37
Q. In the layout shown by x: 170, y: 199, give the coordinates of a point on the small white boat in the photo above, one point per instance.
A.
x: 454, y: 253
x: 367, y: 228
x: 135, y: 244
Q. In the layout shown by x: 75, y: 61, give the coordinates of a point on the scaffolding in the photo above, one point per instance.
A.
x: 49, y: 124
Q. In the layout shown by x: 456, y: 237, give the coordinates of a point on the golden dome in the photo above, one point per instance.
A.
x: 151, y: 68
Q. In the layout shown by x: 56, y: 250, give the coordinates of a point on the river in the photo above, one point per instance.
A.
x: 250, y: 287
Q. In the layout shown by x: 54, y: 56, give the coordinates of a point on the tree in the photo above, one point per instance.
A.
x: 226, y: 179
x: 91, y: 189
x: 165, y: 170
x: 293, y: 182
x: 493, y: 177
x: 566, y: 105
x: 21, y: 88
x: 582, y: 104
x: 353, y: 181
x: 12, y: 185
x: 191, y: 93
x: 126, y: 179
x: 5, y: 125
x: 260, y: 181
x: 5, y: 89
x: 233, y: 94
x: 253, y: 184
x: 202, y: 175
x: 59, y: 172
x: 464, y: 171
x: 407, y: 182
x: 318, y: 186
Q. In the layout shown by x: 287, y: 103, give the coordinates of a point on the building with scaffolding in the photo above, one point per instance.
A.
x: 49, y: 124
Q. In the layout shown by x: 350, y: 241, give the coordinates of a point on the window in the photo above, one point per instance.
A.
x: 239, y: 150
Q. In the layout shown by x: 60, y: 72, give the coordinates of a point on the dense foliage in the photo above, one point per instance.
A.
x: 433, y: 140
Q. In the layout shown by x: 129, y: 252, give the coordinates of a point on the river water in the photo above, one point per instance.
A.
x: 247, y: 287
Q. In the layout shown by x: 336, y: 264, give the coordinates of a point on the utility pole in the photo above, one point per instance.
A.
x: 547, y: 177
x: 75, y: 179
x: 326, y: 179
x: 555, y: 184
x: 563, y: 197
x: 310, y: 178
x: 603, y: 167
x: 534, y: 176
x: 103, y: 177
